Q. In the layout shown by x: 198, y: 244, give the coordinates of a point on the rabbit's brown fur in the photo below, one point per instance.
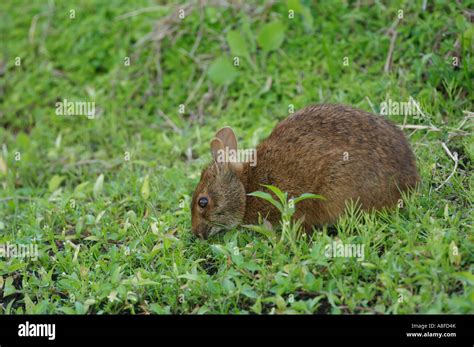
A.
x: 334, y: 150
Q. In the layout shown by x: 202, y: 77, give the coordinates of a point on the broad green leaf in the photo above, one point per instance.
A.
x: 228, y: 285
x: 368, y: 265
x: 80, y: 309
x: 249, y: 292
x: 9, y: 289
x: 465, y: 276
x: 115, y: 275
x: 261, y: 230
x: 237, y: 44
x: 280, y: 302
x: 222, y: 71
x: 251, y: 266
x: 23, y: 140
x: 308, y: 196
x: 29, y: 305
x: 79, y: 190
x: 67, y: 310
x: 271, y: 36
x: 268, y: 197
x: 55, y: 182
x: 147, y: 282
x: 191, y: 277
x: 257, y: 307
x: 295, y: 5
x: 280, y: 195
x: 468, y: 38
x: 219, y: 249
x: 80, y: 225
x: 98, y: 186
x: 304, y: 11
x: 145, y: 191
x: 156, y: 308
x: 212, y: 15
x: 88, y: 303
x: 203, y: 310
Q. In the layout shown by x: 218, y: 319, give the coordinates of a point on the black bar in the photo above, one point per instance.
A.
x: 349, y: 327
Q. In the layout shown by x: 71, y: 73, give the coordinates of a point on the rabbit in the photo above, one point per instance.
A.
x: 335, y: 151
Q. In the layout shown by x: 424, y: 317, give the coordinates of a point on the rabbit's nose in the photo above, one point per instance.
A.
x: 202, y: 236
x: 202, y: 231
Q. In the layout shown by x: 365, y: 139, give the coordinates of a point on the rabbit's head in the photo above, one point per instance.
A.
x: 219, y: 199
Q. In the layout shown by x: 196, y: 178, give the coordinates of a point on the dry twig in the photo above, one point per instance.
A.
x: 454, y: 157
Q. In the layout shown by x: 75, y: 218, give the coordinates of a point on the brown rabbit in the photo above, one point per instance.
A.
x: 333, y: 150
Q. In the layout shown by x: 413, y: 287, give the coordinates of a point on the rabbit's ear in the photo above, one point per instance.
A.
x: 217, y: 149
x: 227, y: 136
x: 236, y: 167
x: 220, y: 155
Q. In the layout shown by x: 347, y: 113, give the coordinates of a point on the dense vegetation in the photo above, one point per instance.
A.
x: 106, y: 198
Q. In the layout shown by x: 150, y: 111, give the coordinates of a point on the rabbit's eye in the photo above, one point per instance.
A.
x: 203, y: 202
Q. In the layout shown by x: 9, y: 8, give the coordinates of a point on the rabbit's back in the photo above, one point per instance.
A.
x: 339, y: 152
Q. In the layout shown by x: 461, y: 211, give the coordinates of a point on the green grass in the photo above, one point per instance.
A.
x: 120, y: 247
